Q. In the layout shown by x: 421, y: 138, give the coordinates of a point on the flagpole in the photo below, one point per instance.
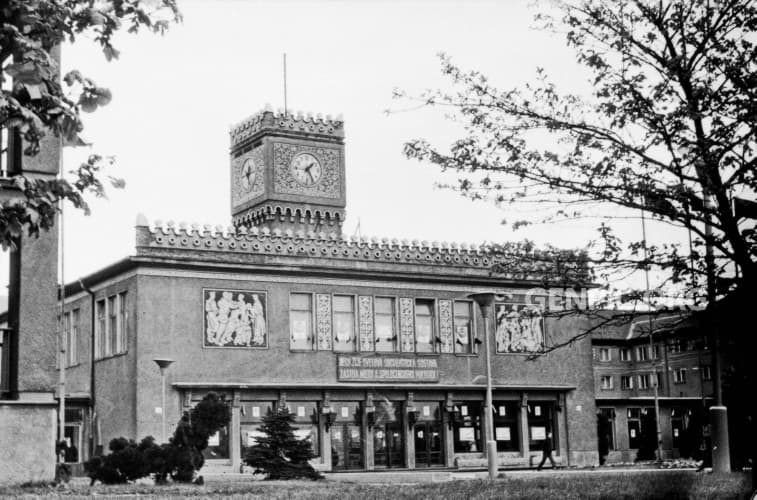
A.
x: 658, y: 432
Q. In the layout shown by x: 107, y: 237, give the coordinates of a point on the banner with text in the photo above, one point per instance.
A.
x: 386, y: 369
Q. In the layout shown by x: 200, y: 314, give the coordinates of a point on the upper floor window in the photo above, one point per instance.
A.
x: 625, y: 354
x: 642, y: 354
x: 626, y: 382
x: 604, y: 354
x: 644, y: 381
x: 606, y: 382
x: 679, y: 376
x: 425, y: 335
x: 706, y: 373
x: 111, y: 326
x: 463, y: 327
x: 656, y: 351
x: 344, y: 323
x: 301, y: 321
x: 385, y: 324
x: 71, y: 336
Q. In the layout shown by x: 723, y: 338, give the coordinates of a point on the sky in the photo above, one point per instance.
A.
x: 175, y: 97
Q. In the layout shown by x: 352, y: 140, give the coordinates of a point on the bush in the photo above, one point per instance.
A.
x: 180, y: 458
x: 279, y: 454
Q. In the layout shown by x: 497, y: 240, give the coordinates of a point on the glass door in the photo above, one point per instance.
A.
x: 388, y: 441
x: 347, y: 437
x: 428, y: 436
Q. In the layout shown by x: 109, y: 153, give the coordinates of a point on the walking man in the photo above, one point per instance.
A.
x: 546, y: 449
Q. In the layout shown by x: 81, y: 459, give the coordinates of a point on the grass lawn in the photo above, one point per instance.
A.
x: 607, y: 485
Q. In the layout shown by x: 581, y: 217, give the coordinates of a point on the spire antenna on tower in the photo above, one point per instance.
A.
x: 285, y: 83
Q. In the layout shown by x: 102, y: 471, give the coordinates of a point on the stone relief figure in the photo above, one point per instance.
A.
x: 518, y: 328
x: 257, y: 318
x: 211, y: 317
x: 235, y: 321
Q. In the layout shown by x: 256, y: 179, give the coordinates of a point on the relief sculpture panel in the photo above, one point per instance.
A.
x: 445, y: 325
x: 235, y: 318
x: 323, y: 321
x: 365, y: 303
x: 520, y: 328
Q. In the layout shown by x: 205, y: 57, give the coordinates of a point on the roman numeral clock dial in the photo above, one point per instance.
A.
x: 306, y: 169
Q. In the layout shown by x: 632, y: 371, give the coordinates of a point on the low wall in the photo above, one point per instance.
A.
x: 27, y: 439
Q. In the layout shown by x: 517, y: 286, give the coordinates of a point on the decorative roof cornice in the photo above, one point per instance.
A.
x: 281, y: 121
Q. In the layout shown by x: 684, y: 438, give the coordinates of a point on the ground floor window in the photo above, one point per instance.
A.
x: 218, y: 446
x: 73, y: 435
x: 641, y: 426
x: 540, y: 423
x: 466, y: 427
x: 506, y: 424
x: 306, y: 423
x: 251, y: 415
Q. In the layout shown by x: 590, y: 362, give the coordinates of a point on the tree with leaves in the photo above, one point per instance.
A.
x: 668, y: 132
x: 279, y: 453
x: 35, y: 103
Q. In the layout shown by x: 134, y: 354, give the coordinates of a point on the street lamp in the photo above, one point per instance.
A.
x: 163, y: 364
x: 485, y: 301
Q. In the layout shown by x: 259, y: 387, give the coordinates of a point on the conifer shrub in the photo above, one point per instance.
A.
x: 279, y: 454
x: 179, y: 459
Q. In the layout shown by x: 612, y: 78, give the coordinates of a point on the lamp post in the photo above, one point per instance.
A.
x: 485, y: 301
x: 163, y: 364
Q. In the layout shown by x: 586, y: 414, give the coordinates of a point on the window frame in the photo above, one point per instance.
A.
x: 353, y: 299
x: 394, y: 323
x: 642, y: 353
x: 624, y: 354
x: 122, y: 322
x: 644, y: 381
x: 679, y: 375
x: 472, y: 335
x: 706, y: 373
x: 606, y: 387
x: 100, y: 327
x: 626, y: 382
x: 312, y: 333
x: 602, y: 352
x: 434, y: 325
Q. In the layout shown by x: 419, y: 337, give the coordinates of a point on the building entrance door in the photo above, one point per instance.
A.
x: 427, y: 433
x: 347, y: 437
x: 388, y: 440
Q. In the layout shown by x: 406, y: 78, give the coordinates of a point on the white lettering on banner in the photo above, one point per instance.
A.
x: 357, y: 368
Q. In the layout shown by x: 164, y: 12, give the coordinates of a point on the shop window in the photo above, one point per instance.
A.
x: 642, y: 354
x: 677, y: 425
x: 425, y: 335
x: 644, y: 381
x: 301, y: 321
x: 218, y: 446
x: 606, y: 382
x: 641, y: 426
x: 540, y: 422
x: 626, y: 382
x: 306, y: 423
x: 506, y: 424
x: 625, y: 354
x: 385, y: 324
x: 466, y: 427
x: 344, y: 323
x: 706, y: 373
x: 606, y: 427
x: 604, y: 354
x: 251, y: 415
x: 679, y: 375
x: 463, y: 327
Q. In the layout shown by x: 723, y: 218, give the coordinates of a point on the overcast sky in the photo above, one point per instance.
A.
x: 174, y: 98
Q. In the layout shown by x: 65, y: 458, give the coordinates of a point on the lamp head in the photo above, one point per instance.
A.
x: 163, y: 363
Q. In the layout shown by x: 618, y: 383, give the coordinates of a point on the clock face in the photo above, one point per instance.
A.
x: 306, y: 169
x: 248, y: 174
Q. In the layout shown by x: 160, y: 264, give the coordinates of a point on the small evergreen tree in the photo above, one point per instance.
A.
x: 280, y: 454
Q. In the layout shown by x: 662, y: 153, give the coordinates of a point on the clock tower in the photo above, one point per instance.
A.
x: 287, y: 172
